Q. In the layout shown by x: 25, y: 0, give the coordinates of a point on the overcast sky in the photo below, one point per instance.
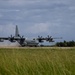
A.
x: 38, y: 17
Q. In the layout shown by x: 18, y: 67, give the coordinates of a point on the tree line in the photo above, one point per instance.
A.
x: 66, y: 44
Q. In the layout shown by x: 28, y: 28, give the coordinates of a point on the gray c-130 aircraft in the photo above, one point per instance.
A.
x: 25, y: 42
x: 20, y: 39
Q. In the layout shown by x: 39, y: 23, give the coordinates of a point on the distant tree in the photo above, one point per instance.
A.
x: 72, y: 43
x: 65, y: 44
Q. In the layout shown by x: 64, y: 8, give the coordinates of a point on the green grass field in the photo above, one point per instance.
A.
x: 37, y: 61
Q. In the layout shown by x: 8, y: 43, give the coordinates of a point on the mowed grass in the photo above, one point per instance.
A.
x: 37, y: 61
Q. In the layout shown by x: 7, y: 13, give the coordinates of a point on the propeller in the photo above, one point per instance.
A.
x: 49, y: 38
x: 40, y: 39
x: 11, y: 39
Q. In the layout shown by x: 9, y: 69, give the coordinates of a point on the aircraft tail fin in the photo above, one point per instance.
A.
x: 17, y: 32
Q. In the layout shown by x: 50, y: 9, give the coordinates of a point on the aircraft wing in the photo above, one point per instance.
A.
x: 4, y: 38
x: 11, y: 39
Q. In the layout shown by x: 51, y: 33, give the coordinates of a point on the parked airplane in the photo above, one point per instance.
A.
x: 25, y: 42
x: 20, y: 39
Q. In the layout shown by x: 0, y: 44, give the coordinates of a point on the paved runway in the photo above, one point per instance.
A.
x: 36, y: 47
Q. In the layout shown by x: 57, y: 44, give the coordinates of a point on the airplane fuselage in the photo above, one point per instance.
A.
x: 30, y: 43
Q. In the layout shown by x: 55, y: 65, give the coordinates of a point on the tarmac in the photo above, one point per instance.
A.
x: 36, y: 47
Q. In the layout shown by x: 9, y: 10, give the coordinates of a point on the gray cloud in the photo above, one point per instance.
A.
x: 38, y: 28
x: 56, y: 17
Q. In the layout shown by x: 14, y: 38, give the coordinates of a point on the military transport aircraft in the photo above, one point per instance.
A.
x: 25, y: 42
x: 20, y: 39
